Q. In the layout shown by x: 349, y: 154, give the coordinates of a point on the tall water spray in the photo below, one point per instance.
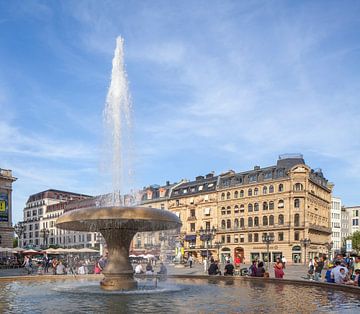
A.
x: 117, y: 118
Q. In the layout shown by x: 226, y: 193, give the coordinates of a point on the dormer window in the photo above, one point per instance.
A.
x: 268, y: 175
x: 252, y: 178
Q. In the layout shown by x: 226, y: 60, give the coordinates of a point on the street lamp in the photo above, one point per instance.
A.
x: 45, y: 234
x: 207, y: 235
x: 218, y: 245
x: 268, y: 238
x: 305, y: 242
x: 19, y: 230
x: 329, y: 246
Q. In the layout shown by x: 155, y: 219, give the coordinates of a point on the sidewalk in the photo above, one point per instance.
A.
x: 291, y: 272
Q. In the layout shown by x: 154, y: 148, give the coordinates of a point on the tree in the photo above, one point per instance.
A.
x: 15, y: 242
x: 355, y: 238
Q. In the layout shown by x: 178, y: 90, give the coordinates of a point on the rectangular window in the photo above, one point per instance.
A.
x: 281, y: 236
x: 296, y: 236
x: 88, y: 237
x: 249, y: 237
x: 236, y: 238
x: 207, y: 225
x: 222, y: 239
x: 192, y: 212
x: 228, y: 239
x: 252, y: 178
x: 242, y: 238
x: 192, y: 227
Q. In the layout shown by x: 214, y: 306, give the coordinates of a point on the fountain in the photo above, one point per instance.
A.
x: 117, y: 222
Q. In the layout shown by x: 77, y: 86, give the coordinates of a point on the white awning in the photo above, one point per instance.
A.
x: 207, y: 211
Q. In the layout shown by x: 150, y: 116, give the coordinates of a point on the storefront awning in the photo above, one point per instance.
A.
x: 190, y: 237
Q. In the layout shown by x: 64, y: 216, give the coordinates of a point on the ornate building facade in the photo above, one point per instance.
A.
x: 6, y: 229
x: 39, y: 217
x: 289, y: 201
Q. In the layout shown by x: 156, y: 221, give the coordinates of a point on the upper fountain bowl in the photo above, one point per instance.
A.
x: 138, y: 218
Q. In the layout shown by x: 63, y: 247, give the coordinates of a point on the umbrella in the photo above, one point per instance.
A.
x: 132, y: 255
x: 87, y: 250
x: 18, y: 249
x: 31, y: 251
x: 150, y: 256
x: 52, y: 251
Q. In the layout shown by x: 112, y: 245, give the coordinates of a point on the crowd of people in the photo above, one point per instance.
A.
x: 341, y: 270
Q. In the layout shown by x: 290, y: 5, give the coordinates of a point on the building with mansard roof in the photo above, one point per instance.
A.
x: 289, y: 201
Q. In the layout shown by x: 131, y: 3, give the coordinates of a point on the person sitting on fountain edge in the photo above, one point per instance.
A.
x: 214, y: 268
x: 163, y: 270
x: 229, y: 269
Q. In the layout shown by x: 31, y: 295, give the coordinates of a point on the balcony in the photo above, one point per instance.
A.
x: 191, y: 218
x: 320, y: 228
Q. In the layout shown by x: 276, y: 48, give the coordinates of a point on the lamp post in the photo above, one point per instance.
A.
x: 19, y: 230
x: 162, y: 239
x: 207, y: 235
x: 329, y: 246
x: 218, y: 245
x: 305, y: 242
x: 268, y: 238
x: 45, y: 234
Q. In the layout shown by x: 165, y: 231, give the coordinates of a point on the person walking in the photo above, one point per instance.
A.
x: 283, y: 261
x: 190, y: 260
x: 319, y: 265
x: 278, y: 269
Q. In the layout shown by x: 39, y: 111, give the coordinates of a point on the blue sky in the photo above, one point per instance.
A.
x: 216, y: 85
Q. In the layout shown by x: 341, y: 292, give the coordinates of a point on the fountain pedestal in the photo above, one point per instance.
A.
x: 118, y: 225
x: 118, y: 271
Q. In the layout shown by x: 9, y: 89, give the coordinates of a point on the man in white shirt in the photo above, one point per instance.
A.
x: 283, y: 261
x: 336, y: 274
x: 139, y: 269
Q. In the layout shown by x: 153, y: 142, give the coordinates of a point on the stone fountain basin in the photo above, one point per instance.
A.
x: 137, y: 218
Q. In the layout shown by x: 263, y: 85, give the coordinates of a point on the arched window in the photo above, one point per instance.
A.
x: 256, y: 221
x: 265, y: 221
x: 271, y: 205
x: 281, y: 187
x: 265, y: 206
x: 228, y: 195
x: 297, y: 203
x: 256, y: 191
x: 223, y: 211
x: 271, y: 189
x: 280, y: 204
x: 228, y: 224
x: 236, y: 194
x: 242, y: 222
x: 242, y: 208
x: 271, y: 220
x: 265, y: 190
x: 281, y: 219
x: 236, y: 209
x: 228, y: 210
x: 223, y: 224
x: 222, y: 196
x: 250, y: 222
x: 256, y: 207
x: 256, y: 237
x: 298, y: 187
x: 249, y: 192
x: 242, y: 193
x: 297, y: 220
x: 236, y: 223
x: 250, y: 208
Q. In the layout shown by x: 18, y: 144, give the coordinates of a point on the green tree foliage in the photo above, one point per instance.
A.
x: 15, y: 242
x: 355, y: 237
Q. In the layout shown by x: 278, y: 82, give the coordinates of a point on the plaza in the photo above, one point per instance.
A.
x: 179, y: 157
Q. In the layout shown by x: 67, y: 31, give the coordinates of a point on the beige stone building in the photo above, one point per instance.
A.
x: 289, y: 201
x: 6, y: 229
